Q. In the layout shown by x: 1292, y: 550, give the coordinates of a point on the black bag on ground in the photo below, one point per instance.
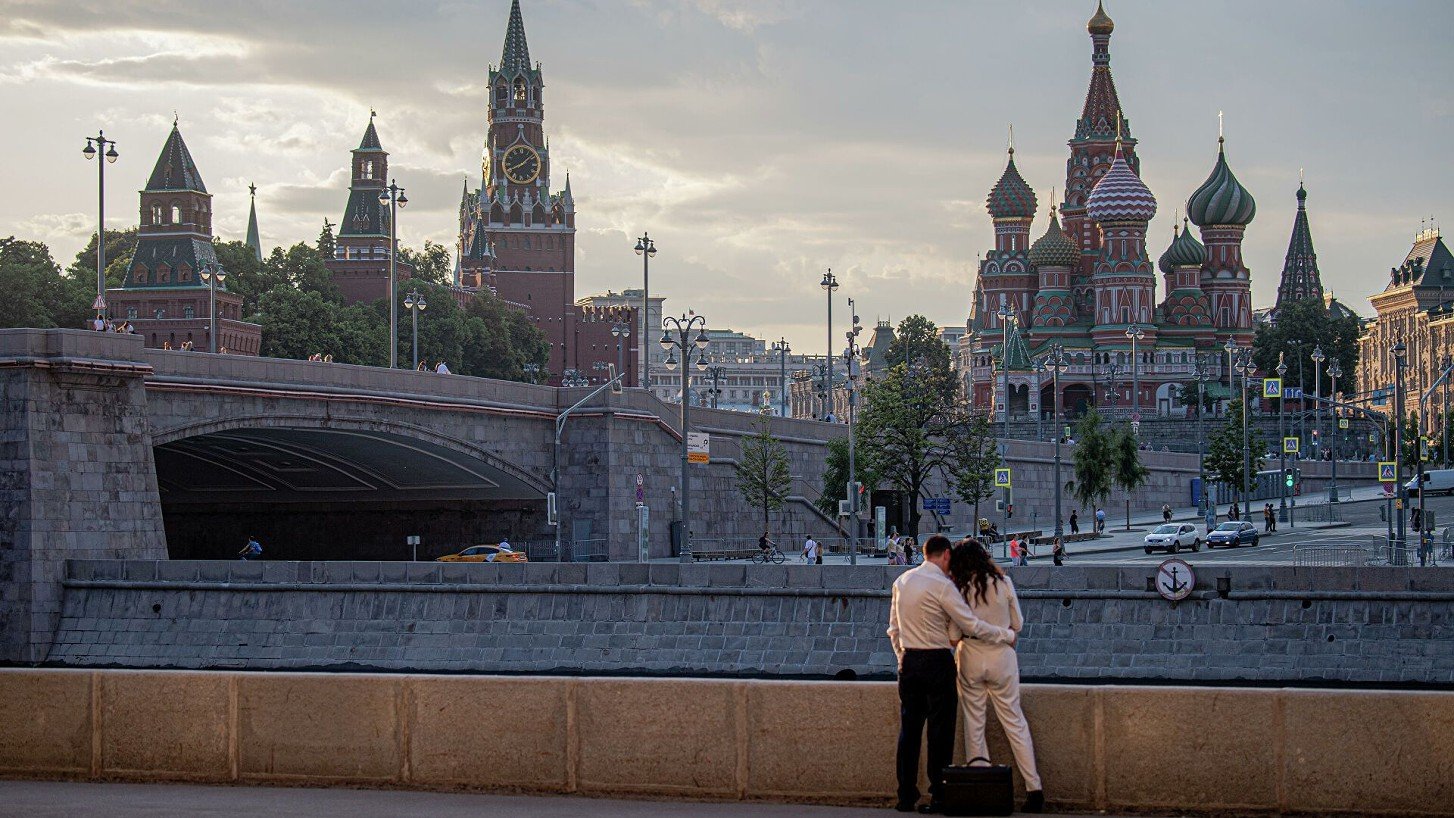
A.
x: 982, y: 790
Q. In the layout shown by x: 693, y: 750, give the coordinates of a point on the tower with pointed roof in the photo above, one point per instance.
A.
x: 360, y: 263
x: 254, y: 240
x: 1222, y: 208
x: 1005, y: 274
x: 1185, y: 311
x: 1123, y: 277
x: 1300, y: 277
x: 165, y: 296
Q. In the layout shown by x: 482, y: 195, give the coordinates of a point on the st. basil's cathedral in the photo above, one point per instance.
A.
x: 1090, y: 284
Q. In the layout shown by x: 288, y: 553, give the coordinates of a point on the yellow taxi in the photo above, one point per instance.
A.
x: 485, y: 553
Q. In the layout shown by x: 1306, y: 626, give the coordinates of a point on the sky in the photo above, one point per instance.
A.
x: 759, y: 141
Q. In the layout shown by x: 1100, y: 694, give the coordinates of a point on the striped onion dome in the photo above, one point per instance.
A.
x: 1011, y: 197
x: 1054, y: 249
x: 1120, y: 195
x: 1221, y: 199
x: 1185, y: 251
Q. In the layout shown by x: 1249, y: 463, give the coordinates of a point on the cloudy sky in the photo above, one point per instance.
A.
x: 759, y: 141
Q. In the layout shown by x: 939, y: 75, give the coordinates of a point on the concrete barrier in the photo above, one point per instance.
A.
x: 1110, y: 747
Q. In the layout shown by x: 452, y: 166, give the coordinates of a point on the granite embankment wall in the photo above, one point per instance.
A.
x: 1289, y: 625
x: 1320, y: 752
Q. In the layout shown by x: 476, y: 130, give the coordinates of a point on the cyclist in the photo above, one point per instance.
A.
x: 765, y: 544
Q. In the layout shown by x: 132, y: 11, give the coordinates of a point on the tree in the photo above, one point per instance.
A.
x: 1409, y: 441
x: 835, y: 475
x: 1186, y: 395
x: 917, y: 341
x: 971, y: 470
x: 1224, y: 460
x: 1301, y: 326
x: 120, y: 248
x: 1093, y: 461
x: 1128, y: 472
x: 246, y: 276
x: 432, y: 265
x: 326, y: 243
x: 36, y: 293
x: 762, y: 471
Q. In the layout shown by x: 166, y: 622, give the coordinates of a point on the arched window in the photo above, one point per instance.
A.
x: 176, y: 213
x: 159, y: 313
x: 189, y: 312
x: 520, y: 90
x: 369, y: 168
x: 164, y: 274
x: 138, y: 274
x: 156, y: 214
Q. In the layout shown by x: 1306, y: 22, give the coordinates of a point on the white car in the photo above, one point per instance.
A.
x: 1173, y: 537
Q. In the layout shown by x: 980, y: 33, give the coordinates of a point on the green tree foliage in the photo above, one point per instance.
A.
x: 917, y: 342
x: 1409, y: 441
x: 36, y: 293
x: 762, y: 471
x: 1129, y: 472
x: 120, y: 247
x: 974, y: 459
x: 1301, y: 326
x: 433, y: 264
x: 1186, y: 395
x: 246, y: 276
x: 835, y: 475
x: 326, y: 243
x: 1093, y: 461
x: 1225, y: 454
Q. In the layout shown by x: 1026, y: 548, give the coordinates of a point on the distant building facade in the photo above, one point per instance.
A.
x: 360, y: 263
x: 1416, y: 308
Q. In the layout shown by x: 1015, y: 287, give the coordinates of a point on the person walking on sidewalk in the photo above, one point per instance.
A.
x: 1057, y: 552
x: 1269, y: 519
x: 1166, y: 512
x: 1074, y: 522
x: 1100, y: 521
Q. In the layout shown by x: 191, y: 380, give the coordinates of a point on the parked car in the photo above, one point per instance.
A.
x: 485, y: 553
x: 1173, y: 537
x: 1233, y: 534
x: 1436, y: 481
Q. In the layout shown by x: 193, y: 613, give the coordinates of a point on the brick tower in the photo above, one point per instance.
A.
x: 1300, y: 277
x: 360, y: 263
x: 1222, y: 208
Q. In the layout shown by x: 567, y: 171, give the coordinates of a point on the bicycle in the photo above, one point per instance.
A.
x: 773, y: 555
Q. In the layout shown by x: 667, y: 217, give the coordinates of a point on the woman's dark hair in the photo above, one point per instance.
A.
x: 970, y: 566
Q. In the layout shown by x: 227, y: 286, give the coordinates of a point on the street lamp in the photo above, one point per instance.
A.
x: 1245, y: 368
x: 1006, y: 315
x: 214, y: 275
x: 1281, y: 444
x: 415, y: 303
x: 620, y: 331
x: 1039, y: 368
x: 1335, y: 370
x: 533, y: 370
x: 107, y: 147
x: 782, y: 349
x: 1399, y: 350
x: 646, y: 248
x: 1318, y: 358
x: 851, y: 365
x: 1135, y: 333
x: 393, y: 197
x: 716, y: 373
x: 829, y: 284
x: 1203, y: 371
x: 693, y: 353
x: 1056, y: 363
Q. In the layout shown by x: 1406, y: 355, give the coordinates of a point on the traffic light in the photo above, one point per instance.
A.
x: 1287, y: 478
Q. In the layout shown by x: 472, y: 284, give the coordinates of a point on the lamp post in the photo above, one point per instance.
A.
x: 1135, y: 333
x: 533, y: 370
x: 829, y: 284
x: 1203, y: 371
x: 1230, y: 348
x: 393, y: 197
x: 1039, y: 368
x: 782, y: 349
x: 1399, y: 557
x: 1006, y: 315
x: 214, y: 276
x: 646, y: 248
x: 1444, y: 411
x: 1334, y: 371
x: 716, y: 373
x: 620, y: 331
x: 107, y: 148
x: 1317, y: 357
x: 677, y: 336
x: 1056, y: 363
x: 1281, y: 445
x: 1245, y: 368
x: 415, y: 303
x: 851, y: 366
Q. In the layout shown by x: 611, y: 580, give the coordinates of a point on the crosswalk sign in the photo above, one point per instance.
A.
x: 1387, y: 472
x: 1272, y: 387
x: 1342, y: 423
x: 1289, y: 445
x: 1002, y: 478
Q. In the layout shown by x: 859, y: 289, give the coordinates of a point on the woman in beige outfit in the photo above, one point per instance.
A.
x: 990, y: 672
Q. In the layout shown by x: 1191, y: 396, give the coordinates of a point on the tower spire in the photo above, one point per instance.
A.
x: 515, y: 59
x: 1300, y: 276
x: 253, y: 239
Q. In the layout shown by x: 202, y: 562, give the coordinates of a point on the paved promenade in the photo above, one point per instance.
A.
x: 54, y: 799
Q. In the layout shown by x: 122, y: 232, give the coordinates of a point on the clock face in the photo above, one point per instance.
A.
x: 522, y: 164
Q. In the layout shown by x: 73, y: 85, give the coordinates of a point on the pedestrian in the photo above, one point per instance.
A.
x: 1166, y: 512
x: 252, y: 550
x: 923, y: 603
x: 1074, y: 522
x: 1269, y: 520
x: 99, y: 324
x: 1232, y: 513
x: 1014, y: 549
x: 990, y: 673
x: 810, y: 550
x: 1100, y: 520
x: 441, y: 368
x: 1416, y: 518
x: 1057, y: 552
x: 910, y: 555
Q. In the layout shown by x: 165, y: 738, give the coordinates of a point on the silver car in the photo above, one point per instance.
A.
x: 1173, y: 537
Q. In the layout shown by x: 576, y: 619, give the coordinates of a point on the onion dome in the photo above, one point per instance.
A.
x: 1185, y: 251
x: 1100, y: 23
x: 1054, y: 249
x: 1221, y: 199
x: 1120, y: 195
x: 1011, y: 198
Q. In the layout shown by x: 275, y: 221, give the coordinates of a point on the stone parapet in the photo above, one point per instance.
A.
x: 1118, y: 748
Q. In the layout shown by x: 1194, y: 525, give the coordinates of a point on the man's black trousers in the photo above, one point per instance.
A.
x: 927, y: 693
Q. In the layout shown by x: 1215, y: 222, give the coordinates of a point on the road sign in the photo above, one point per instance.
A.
x: 99, y: 304
x: 1293, y: 392
x: 1342, y: 423
x: 1002, y: 478
x: 1387, y: 472
x: 1175, y: 580
x: 699, y: 447
x: 1272, y: 387
x: 938, y: 505
x: 640, y: 488
x: 1289, y: 445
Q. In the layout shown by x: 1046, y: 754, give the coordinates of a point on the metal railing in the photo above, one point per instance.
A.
x: 1338, y: 555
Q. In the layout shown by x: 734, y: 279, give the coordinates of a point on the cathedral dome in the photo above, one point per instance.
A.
x: 1100, y: 23
x: 1185, y: 251
x: 1221, y: 199
x: 1120, y: 195
x: 1054, y: 249
x: 1011, y: 198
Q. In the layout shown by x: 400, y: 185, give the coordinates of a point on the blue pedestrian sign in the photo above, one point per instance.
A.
x: 1289, y: 445
x: 1272, y: 387
x: 1387, y: 472
x: 1002, y: 478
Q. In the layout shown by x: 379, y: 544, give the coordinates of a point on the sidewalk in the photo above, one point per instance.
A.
x: 68, y: 799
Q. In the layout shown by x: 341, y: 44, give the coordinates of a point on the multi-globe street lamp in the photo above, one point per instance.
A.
x: 620, y: 331
x: 1399, y: 557
x: 393, y: 197
x: 782, y: 349
x: 1203, y: 371
x: 1244, y: 367
x: 1281, y: 442
x: 1317, y: 357
x: 107, y: 148
x: 646, y: 248
x: 716, y: 372
x: 414, y: 302
x: 1335, y: 370
x: 851, y: 364
x: 1135, y: 333
x: 676, y: 336
x: 1056, y: 363
x: 214, y: 275
x: 533, y: 371
x: 1006, y: 315
x: 829, y: 284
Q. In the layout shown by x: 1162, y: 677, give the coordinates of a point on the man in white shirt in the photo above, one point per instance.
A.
x: 810, y: 550
x: 924, y: 604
